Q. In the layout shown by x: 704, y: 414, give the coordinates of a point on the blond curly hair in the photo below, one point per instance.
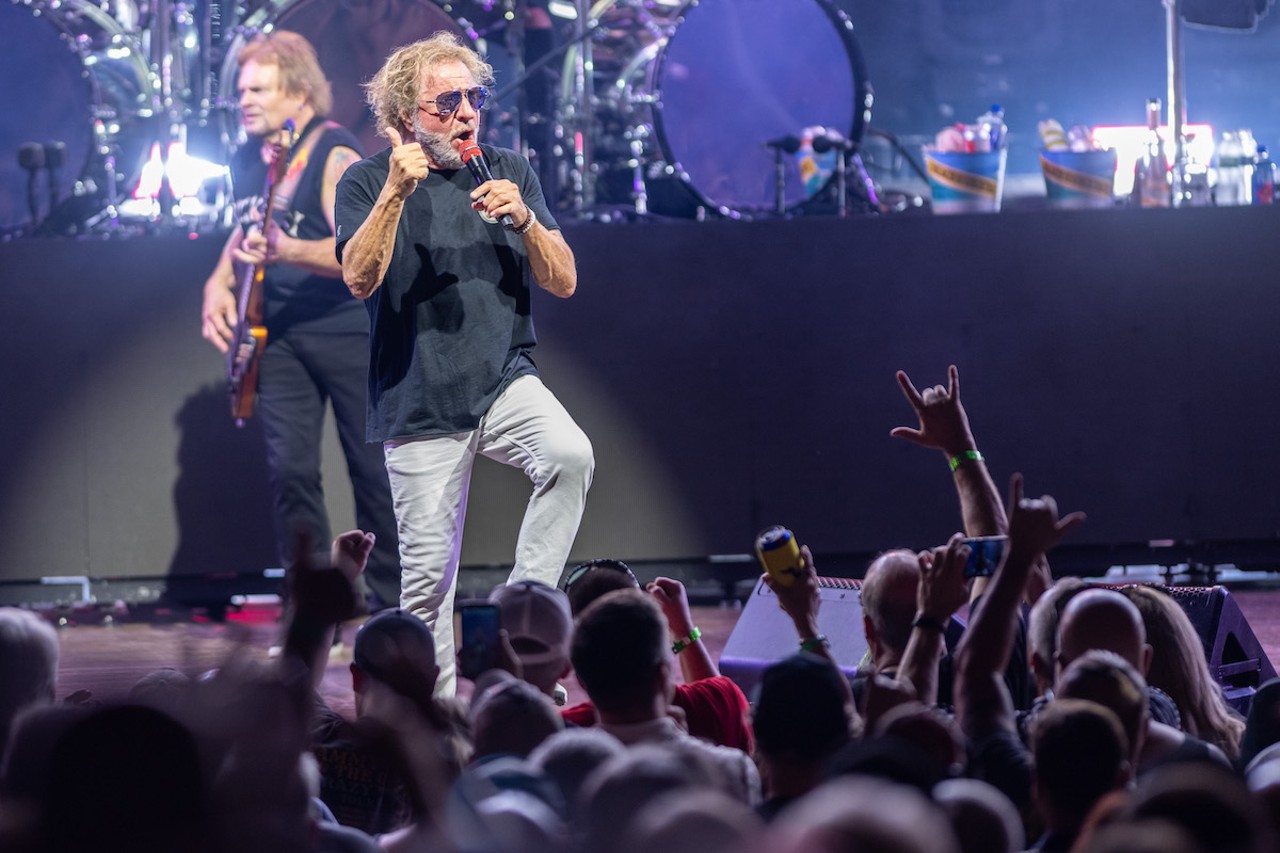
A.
x: 394, y: 90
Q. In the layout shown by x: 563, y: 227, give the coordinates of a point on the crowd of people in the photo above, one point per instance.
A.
x: 1069, y: 716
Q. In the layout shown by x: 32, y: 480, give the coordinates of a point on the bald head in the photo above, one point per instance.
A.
x: 889, y: 603
x: 1102, y: 619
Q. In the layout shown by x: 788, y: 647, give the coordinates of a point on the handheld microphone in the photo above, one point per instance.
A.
x: 474, y: 158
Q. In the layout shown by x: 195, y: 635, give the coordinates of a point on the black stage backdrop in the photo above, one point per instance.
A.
x: 730, y: 374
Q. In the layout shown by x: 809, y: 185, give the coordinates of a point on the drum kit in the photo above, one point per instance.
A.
x: 653, y: 107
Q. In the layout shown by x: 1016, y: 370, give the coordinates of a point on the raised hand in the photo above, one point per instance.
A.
x: 350, y: 552
x: 1034, y: 525
x: 944, y: 425
x: 674, y: 601
x: 943, y: 587
x: 800, y: 600
x: 408, y: 164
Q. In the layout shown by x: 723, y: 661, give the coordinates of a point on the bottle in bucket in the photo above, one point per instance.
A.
x: 779, y: 553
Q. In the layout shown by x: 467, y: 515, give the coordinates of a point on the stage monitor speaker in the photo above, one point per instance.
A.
x: 1236, y: 659
x: 765, y: 634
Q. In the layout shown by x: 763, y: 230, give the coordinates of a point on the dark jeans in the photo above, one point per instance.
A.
x: 300, y: 373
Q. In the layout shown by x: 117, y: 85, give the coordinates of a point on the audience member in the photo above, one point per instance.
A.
x: 569, y: 757
x: 1262, y: 725
x: 538, y: 624
x: 1080, y: 753
x: 588, y: 581
x: 1208, y: 801
x: 862, y: 815
x: 801, y: 717
x: 611, y: 796
x: 512, y: 718
x: 396, y: 650
x: 692, y: 822
x: 982, y: 818
x: 1103, y: 619
x: 28, y: 665
x: 1179, y: 668
x: 713, y: 706
x: 944, y: 426
x: 622, y: 660
x: 1042, y: 631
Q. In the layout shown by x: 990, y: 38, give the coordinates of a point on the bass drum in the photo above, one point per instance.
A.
x: 353, y: 40
x: 77, y: 77
x: 714, y: 84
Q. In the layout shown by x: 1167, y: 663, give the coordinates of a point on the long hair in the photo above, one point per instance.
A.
x: 1178, y: 667
x: 300, y: 72
x: 394, y: 90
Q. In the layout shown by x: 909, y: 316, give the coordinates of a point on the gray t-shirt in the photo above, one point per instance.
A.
x: 451, y: 323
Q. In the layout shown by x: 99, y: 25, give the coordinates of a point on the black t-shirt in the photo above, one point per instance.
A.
x: 451, y: 324
x: 294, y: 298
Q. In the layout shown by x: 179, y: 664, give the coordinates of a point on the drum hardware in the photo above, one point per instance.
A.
x: 700, y: 84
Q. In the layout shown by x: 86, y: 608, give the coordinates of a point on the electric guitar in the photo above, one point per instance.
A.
x: 245, y: 353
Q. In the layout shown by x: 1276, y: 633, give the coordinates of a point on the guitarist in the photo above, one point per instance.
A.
x: 317, y: 345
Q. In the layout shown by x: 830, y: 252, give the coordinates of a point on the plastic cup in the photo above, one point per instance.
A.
x: 1079, y: 179
x: 962, y: 182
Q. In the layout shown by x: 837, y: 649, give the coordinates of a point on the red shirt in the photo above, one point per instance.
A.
x: 715, y: 709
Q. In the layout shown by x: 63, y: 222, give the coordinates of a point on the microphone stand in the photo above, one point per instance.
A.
x: 31, y: 158
x: 779, y: 182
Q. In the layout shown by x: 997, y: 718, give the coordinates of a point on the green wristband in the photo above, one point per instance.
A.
x: 814, y: 643
x: 685, y: 642
x: 963, y: 457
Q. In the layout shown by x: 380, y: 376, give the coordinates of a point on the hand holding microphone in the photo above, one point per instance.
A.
x: 474, y: 158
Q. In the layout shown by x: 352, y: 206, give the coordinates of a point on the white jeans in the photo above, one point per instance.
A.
x: 431, y: 476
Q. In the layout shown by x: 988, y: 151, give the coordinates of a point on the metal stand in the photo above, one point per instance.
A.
x: 1177, y: 99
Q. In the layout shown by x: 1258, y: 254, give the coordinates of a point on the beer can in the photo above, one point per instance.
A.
x: 779, y: 553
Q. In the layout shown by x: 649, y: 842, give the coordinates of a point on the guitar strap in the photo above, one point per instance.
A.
x: 299, y: 156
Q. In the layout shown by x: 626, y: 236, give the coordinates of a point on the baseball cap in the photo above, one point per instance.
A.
x: 536, y: 618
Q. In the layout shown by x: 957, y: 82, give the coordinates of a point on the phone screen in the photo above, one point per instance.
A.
x: 478, y: 651
x: 984, y: 555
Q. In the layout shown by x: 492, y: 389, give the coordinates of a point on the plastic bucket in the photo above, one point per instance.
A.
x: 965, y: 182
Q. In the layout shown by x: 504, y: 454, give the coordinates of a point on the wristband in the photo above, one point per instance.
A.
x: 524, y: 227
x: 814, y: 643
x: 929, y: 624
x: 961, y: 457
x: 685, y: 642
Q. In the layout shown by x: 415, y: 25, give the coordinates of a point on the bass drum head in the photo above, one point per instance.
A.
x: 352, y: 41
x: 69, y: 66
x: 739, y: 73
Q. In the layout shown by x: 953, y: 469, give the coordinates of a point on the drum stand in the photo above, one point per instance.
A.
x: 1177, y: 98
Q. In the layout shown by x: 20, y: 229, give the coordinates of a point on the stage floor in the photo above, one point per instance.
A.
x: 108, y: 659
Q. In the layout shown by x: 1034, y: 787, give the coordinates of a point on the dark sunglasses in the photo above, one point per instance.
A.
x: 578, y: 571
x: 447, y: 103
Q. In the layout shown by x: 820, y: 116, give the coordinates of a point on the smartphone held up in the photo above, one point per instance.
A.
x: 985, y: 553
x: 478, y: 648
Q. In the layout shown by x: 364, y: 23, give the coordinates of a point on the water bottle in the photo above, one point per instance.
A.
x: 1264, y: 177
x: 1230, y: 188
x: 993, y: 127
